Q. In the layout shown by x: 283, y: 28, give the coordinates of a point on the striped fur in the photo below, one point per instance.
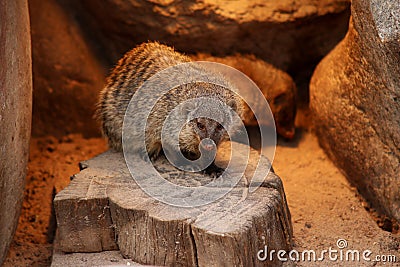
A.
x: 131, y: 71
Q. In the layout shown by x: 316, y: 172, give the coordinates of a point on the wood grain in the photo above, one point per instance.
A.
x: 104, y: 209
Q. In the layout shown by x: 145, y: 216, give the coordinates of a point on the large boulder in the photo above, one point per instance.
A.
x: 355, y: 99
x: 67, y: 76
x: 290, y: 34
x: 15, y: 114
x: 86, y: 38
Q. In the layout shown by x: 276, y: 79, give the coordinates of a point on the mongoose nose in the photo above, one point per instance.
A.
x: 287, y: 133
x: 207, y: 144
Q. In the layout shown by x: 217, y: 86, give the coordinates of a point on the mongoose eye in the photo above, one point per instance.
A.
x: 280, y: 99
x: 219, y: 127
x: 200, y: 126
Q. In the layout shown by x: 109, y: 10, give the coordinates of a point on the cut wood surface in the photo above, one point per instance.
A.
x: 104, y: 209
x: 105, y: 258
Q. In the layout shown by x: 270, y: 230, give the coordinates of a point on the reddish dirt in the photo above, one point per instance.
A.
x: 51, y: 162
x: 324, y: 206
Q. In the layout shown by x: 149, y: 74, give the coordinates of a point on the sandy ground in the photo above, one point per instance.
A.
x: 323, y: 205
x: 51, y: 163
x: 326, y: 208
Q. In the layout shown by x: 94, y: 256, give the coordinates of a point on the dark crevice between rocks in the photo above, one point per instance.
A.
x: 194, y: 245
x: 112, y: 224
x: 51, y: 231
x: 82, y: 166
x: 383, y: 221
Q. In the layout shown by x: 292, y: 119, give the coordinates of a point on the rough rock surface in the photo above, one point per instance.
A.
x: 355, y: 98
x: 86, y: 38
x: 15, y: 114
x: 286, y: 33
x: 66, y: 75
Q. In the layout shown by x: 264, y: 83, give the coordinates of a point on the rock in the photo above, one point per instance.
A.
x: 355, y: 99
x: 277, y: 87
x: 290, y: 34
x: 87, y: 37
x: 15, y: 114
x: 67, y: 77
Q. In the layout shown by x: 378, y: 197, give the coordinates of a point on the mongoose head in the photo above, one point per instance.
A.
x: 204, y: 134
x: 283, y: 106
x: 211, y: 132
x: 282, y: 103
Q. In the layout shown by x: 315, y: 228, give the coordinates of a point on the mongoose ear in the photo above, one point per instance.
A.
x: 232, y: 103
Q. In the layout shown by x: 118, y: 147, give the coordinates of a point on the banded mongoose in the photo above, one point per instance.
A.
x: 139, y: 65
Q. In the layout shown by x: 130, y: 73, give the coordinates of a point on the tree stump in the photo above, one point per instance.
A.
x: 104, y: 209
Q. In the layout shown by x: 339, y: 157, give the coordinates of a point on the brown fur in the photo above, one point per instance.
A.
x: 277, y: 87
x: 137, y: 66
